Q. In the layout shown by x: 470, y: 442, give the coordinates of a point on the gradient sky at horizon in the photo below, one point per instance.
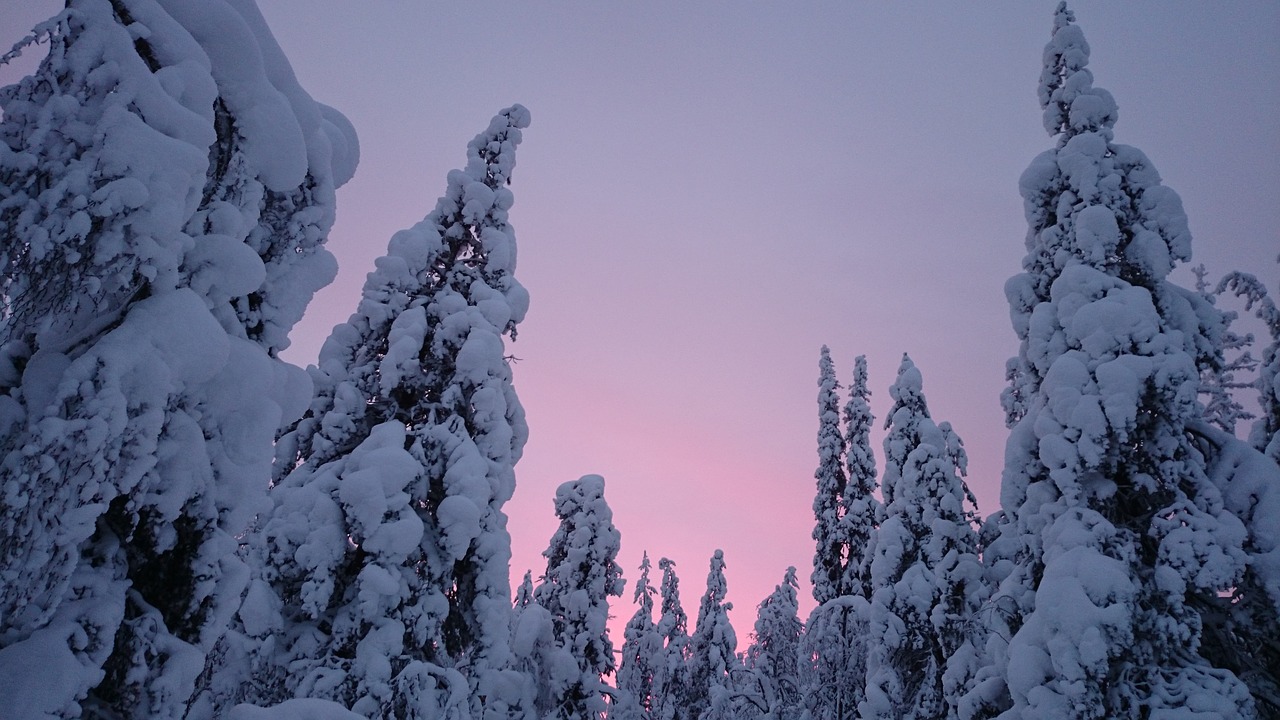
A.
x: 711, y: 191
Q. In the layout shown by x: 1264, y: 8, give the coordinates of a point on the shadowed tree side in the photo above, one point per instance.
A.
x: 167, y: 188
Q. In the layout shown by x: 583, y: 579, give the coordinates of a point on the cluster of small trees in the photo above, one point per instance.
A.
x: 190, y: 527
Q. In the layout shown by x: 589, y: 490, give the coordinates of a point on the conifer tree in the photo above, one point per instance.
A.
x: 713, y: 644
x: 833, y: 654
x: 167, y: 188
x: 1265, y: 435
x: 641, y: 653
x: 926, y: 575
x: 581, y: 575
x: 1238, y: 627
x: 536, y: 653
x: 834, y: 671
x: 522, y: 598
x: 671, y: 681
x: 862, y: 511
x: 828, y: 502
x: 773, y: 659
x: 1119, y: 534
x: 1218, y: 382
x: 399, y: 601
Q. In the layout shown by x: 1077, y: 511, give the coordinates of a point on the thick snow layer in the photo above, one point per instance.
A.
x: 299, y: 709
x: 274, y: 140
x: 152, y: 390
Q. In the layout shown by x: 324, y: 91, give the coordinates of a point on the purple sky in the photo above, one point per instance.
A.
x: 708, y: 194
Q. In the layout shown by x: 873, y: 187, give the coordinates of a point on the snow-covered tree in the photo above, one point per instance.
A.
x: 582, y: 573
x: 833, y: 674
x: 828, y: 502
x: 862, y: 511
x: 1266, y: 429
x: 833, y: 658
x: 523, y: 595
x: 902, y: 428
x: 536, y: 653
x: 642, y: 654
x: 1218, y: 383
x: 166, y: 188
x: 771, y: 686
x: 1120, y: 536
x: 712, y: 645
x: 387, y: 549
x: 671, y: 678
x: 925, y: 573
x: 1239, y: 626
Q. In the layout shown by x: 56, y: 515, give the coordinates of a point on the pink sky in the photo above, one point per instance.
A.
x: 708, y: 194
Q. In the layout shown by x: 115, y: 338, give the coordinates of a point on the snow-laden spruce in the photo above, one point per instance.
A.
x: 671, y: 681
x: 846, y: 514
x: 1119, y: 538
x: 1265, y: 435
x: 582, y: 573
x: 1219, y: 383
x: 385, y: 561
x: 642, y: 654
x: 712, y: 646
x: 1240, y: 630
x: 862, y: 511
x: 771, y: 686
x: 926, y: 578
x: 1240, y: 626
x: 167, y: 188
x: 832, y: 547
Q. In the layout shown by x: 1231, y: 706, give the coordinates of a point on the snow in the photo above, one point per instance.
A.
x: 273, y: 135
x: 1103, y: 393
x: 1250, y: 486
x: 298, y: 709
x: 144, y: 425
x: 343, y: 143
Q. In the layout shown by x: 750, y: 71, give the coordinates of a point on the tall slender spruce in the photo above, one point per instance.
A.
x: 833, y: 674
x: 832, y: 546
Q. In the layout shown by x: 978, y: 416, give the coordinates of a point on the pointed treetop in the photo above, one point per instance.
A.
x: 670, y: 592
x: 1071, y: 104
x: 490, y: 156
x: 907, y: 419
x: 713, y: 600
x: 524, y: 593
x: 908, y: 390
x: 789, y: 577
x: 858, y: 421
x: 644, y: 589
x: 860, y: 376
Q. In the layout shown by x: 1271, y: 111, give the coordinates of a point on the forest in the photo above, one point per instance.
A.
x: 193, y: 527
